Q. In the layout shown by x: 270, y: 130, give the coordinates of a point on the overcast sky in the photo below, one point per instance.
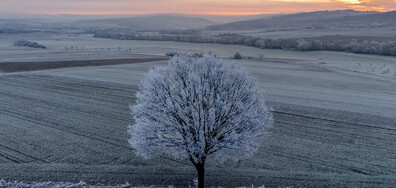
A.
x: 228, y: 7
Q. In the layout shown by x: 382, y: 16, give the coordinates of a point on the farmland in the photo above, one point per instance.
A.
x: 335, y: 124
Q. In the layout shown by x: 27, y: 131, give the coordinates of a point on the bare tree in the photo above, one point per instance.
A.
x: 198, y: 108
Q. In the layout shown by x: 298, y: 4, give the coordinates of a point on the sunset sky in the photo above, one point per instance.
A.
x: 221, y: 7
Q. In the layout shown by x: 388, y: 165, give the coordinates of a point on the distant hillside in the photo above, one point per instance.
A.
x: 152, y: 22
x: 321, y: 19
x: 222, y: 19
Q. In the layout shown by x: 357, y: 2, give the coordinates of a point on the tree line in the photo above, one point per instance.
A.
x: 299, y: 44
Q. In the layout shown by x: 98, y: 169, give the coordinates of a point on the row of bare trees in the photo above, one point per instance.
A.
x: 299, y: 44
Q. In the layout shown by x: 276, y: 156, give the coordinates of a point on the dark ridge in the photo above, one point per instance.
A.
x: 34, y: 66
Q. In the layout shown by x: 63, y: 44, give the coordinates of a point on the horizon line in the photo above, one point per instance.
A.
x: 174, y: 13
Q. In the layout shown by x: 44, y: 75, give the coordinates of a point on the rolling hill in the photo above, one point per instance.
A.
x: 151, y: 22
x: 321, y: 19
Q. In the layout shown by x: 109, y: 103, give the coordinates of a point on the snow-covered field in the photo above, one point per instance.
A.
x: 89, y: 48
x: 332, y: 128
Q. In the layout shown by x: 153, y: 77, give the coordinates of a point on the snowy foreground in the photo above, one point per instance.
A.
x: 331, y: 130
x: 4, y: 183
x: 81, y: 184
x: 335, y: 122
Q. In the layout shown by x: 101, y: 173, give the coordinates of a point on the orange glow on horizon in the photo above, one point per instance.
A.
x: 150, y: 13
x: 368, y: 5
x: 192, y: 7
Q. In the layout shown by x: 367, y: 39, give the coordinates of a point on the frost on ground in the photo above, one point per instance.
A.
x: 370, y: 69
x: 18, y: 184
x: 81, y: 184
x: 331, y: 129
x: 65, y: 125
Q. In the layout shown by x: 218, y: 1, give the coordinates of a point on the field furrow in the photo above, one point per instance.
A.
x: 71, y: 125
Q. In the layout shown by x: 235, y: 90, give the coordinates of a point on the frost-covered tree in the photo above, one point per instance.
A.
x: 198, y: 108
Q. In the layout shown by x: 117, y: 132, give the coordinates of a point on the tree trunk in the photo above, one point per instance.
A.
x: 201, y: 175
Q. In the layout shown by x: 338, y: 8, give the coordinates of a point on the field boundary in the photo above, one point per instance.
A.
x: 9, y: 67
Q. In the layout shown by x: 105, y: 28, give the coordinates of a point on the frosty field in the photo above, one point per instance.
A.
x: 333, y: 126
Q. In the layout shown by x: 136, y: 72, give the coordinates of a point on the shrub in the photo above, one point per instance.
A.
x: 237, y: 55
x: 27, y: 43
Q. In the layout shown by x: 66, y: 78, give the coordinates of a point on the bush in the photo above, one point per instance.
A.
x: 27, y: 43
x: 237, y: 55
